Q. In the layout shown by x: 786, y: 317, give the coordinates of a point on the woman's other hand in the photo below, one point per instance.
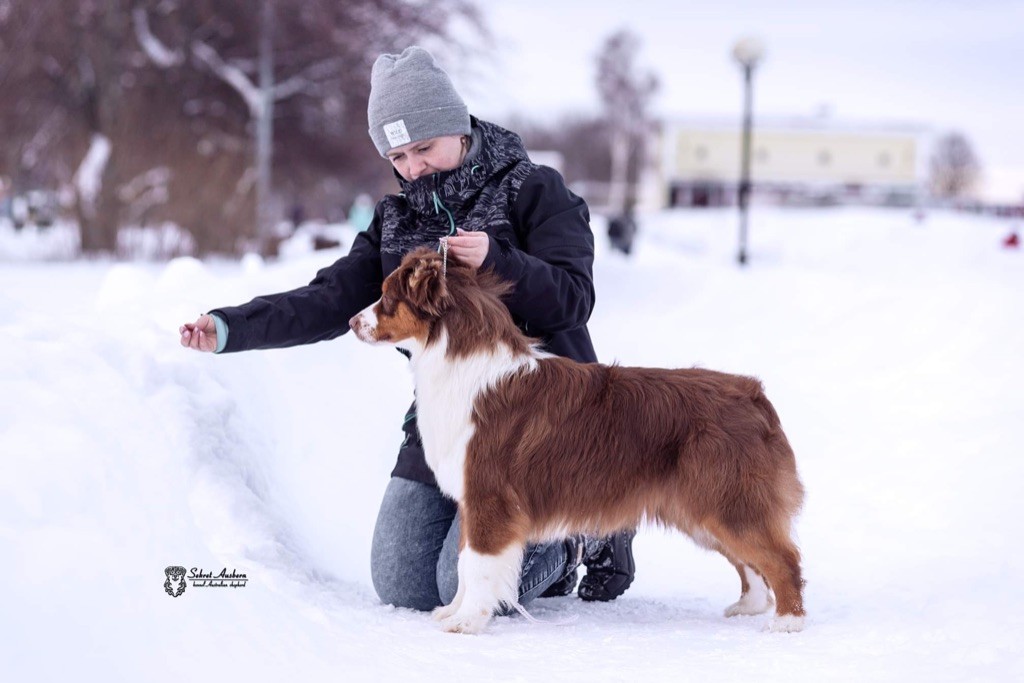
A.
x: 200, y: 335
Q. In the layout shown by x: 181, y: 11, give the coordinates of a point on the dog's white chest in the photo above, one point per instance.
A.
x: 445, y: 394
x: 445, y: 433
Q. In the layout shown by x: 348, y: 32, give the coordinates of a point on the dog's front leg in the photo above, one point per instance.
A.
x: 486, y: 581
x: 445, y: 611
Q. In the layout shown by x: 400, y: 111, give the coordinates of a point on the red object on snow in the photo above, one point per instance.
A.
x: 1012, y: 241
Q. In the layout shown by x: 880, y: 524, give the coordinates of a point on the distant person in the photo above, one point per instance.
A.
x: 360, y: 215
x: 1012, y: 240
x: 622, y: 230
x: 297, y: 215
x: 472, y: 183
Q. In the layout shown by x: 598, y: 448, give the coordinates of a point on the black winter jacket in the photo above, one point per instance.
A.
x: 540, y: 239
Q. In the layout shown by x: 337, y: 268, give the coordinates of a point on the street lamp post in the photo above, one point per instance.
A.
x: 748, y: 52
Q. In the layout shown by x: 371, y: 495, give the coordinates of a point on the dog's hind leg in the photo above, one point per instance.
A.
x: 781, y: 568
x: 777, y: 559
x: 755, y: 598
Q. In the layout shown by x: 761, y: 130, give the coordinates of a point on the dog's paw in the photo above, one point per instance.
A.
x: 466, y: 622
x: 443, y: 612
x: 786, y: 623
x: 750, y: 604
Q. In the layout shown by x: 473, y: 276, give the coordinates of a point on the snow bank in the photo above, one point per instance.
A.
x: 891, y: 348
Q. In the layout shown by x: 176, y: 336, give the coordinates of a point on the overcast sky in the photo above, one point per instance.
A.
x: 942, y: 63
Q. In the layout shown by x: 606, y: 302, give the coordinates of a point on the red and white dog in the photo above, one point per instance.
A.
x: 535, y: 447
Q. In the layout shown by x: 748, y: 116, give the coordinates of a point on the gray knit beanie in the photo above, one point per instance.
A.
x: 412, y: 98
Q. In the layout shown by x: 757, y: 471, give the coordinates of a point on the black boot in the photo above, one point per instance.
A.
x: 610, y: 570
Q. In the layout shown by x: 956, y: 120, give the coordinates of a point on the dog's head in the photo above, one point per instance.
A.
x: 423, y: 303
x: 413, y: 298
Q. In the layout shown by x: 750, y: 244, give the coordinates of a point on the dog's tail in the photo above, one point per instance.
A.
x: 755, y: 390
x: 789, y: 486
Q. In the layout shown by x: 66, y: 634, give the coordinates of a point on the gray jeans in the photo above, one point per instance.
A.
x: 414, y: 557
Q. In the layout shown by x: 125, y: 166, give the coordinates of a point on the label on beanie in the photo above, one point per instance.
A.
x: 397, y: 134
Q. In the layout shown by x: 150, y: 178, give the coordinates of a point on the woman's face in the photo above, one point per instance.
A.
x: 428, y: 156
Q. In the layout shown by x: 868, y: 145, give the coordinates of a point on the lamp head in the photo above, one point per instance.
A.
x: 748, y: 51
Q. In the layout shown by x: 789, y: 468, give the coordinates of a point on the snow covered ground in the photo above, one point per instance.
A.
x: 893, y: 350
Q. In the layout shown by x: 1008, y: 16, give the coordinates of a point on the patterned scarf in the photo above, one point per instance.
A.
x: 479, y: 195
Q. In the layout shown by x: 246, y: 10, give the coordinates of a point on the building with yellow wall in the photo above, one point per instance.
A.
x: 697, y: 163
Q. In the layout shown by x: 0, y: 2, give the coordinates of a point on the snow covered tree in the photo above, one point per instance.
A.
x: 954, y: 167
x: 626, y: 94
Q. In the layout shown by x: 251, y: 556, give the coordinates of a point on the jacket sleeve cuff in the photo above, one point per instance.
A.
x: 499, y: 260
x: 222, y: 332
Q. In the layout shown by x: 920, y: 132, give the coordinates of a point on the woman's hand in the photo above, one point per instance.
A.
x: 200, y: 335
x: 469, y: 248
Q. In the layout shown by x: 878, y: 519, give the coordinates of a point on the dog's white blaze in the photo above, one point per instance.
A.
x: 445, y: 392
x: 365, y: 328
x: 367, y: 315
x: 366, y: 324
x: 485, y: 581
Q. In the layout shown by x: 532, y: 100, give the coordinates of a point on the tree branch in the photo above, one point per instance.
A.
x: 158, y: 53
x: 231, y: 75
x: 318, y: 71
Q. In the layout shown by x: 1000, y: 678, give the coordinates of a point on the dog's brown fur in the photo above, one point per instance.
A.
x: 571, y: 447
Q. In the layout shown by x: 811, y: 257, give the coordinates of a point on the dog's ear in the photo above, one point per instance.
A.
x: 428, y: 290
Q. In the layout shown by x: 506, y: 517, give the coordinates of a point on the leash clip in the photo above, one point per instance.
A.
x: 444, y: 256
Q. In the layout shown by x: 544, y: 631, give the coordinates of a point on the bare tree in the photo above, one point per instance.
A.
x: 63, y: 89
x: 625, y: 94
x: 581, y: 140
x: 954, y: 167
x: 300, y: 62
x: 150, y: 109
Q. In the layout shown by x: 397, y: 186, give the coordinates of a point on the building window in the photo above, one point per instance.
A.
x: 761, y: 155
x: 884, y: 160
x: 824, y: 157
x: 700, y: 152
